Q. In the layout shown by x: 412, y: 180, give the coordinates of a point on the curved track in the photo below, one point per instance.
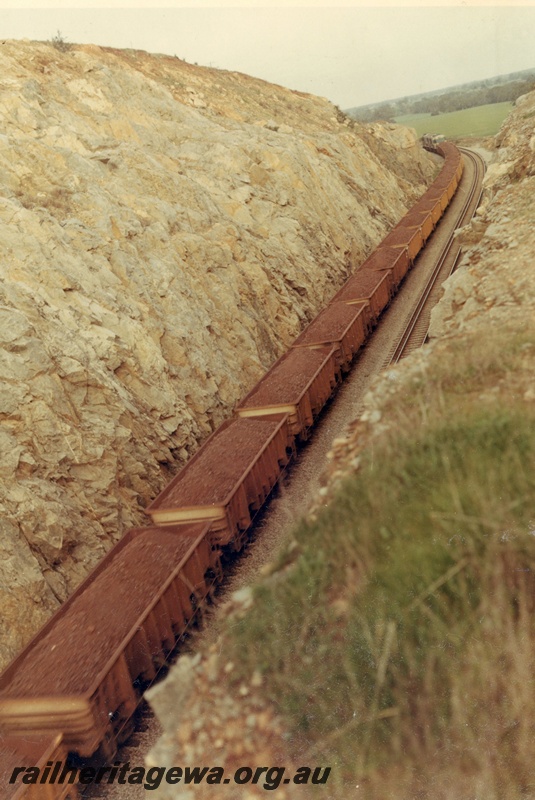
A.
x: 417, y: 326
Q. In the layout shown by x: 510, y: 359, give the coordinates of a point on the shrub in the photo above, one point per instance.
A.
x: 60, y: 43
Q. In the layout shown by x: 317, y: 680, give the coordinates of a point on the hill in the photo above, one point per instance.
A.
x: 501, y: 89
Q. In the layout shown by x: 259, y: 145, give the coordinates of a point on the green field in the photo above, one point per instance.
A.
x: 477, y: 121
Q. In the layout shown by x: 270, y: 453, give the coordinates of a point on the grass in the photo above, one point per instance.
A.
x: 470, y: 122
x: 398, y: 637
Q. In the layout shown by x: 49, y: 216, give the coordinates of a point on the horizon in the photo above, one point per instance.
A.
x: 444, y: 89
x: 351, y: 54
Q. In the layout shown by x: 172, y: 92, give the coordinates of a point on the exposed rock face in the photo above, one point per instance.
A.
x: 166, y: 231
x: 496, y: 282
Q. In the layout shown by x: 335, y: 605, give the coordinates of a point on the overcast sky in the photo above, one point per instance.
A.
x: 352, y: 53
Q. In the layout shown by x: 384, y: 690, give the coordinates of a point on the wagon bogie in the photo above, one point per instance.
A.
x: 113, y: 702
x: 123, y: 726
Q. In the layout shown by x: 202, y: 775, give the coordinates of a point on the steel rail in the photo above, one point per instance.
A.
x: 414, y: 334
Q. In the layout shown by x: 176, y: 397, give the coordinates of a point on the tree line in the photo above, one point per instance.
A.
x: 454, y: 100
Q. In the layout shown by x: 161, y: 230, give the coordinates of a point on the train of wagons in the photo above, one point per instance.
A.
x: 75, y: 686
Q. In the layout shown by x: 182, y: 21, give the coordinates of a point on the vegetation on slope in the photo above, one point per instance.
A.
x: 398, y: 637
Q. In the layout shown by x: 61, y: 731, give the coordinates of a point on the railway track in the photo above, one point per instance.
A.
x: 415, y: 332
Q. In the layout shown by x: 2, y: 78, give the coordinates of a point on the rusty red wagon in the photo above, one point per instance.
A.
x: 400, y: 237
x: 371, y: 288
x: 228, y: 479
x: 420, y: 219
x: 447, y: 185
x: 299, y: 384
x: 432, y: 205
x: 436, y: 194
x: 77, y: 674
x: 340, y: 324
x: 394, y: 259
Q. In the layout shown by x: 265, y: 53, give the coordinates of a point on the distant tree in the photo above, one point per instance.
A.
x: 60, y: 43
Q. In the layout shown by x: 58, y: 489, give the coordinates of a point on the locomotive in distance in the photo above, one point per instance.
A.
x: 432, y: 141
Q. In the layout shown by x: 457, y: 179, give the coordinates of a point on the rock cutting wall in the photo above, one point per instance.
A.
x: 166, y: 231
